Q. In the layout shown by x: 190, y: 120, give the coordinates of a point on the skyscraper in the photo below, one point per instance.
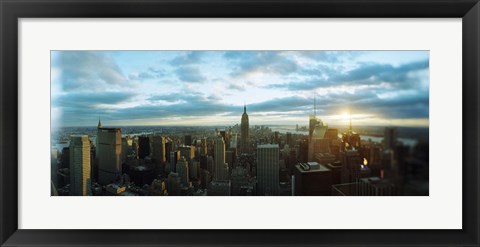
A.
x: 188, y: 140
x: 220, y: 169
x: 158, y: 146
x: 233, y: 141
x: 124, y: 148
x: 268, y: 170
x: 312, y: 179
x: 317, y: 141
x: 182, y: 170
x: 244, y: 131
x: 390, y: 138
x: 174, y: 157
x: 143, y: 147
x: 79, y: 165
x: 109, y: 148
x: 188, y: 152
x: 203, y: 146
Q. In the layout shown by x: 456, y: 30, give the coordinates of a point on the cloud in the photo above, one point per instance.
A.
x: 90, y: 100
x: 193, y: 57
x: 329, y: 56
x: 282, y: 84
x: 281, y: 104
x: 157, y: 72
x: 244, y: 62
x: 363, y: 74
x: 189, y: 74
x: 85, y: 70
x: 236, y: 86
x: 140, y: 76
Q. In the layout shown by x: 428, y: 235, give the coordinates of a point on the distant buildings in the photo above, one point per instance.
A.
x: 268, y: 169
x: 80, y: 166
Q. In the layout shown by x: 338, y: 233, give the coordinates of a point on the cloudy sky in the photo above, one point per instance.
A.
x: 210, y: 87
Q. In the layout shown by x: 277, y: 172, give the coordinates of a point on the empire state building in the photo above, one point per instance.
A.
x: 244, y: 131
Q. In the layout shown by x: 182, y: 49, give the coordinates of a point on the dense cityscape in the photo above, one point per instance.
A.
x: 240, y: 123
x: 239, y: 160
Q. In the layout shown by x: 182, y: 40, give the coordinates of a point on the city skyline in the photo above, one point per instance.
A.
x: 206, y: 88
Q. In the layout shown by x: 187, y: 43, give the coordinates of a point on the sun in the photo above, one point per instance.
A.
x: 345, y: 116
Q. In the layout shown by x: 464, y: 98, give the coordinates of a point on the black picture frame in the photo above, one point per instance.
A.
x: 11, y: 11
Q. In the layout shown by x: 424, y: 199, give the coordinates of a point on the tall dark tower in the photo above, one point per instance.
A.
x: 244, y: 131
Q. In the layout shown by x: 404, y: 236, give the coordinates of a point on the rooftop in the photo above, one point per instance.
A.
x: 268, y: 146
x: 109, y: 129
x: 315, y: 167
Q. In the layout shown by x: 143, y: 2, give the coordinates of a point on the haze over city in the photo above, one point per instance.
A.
x: 202, y: 88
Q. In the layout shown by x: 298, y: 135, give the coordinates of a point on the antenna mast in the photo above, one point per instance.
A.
x: 350, y: 116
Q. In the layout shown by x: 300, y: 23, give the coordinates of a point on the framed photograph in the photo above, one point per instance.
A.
x: 264, y: 123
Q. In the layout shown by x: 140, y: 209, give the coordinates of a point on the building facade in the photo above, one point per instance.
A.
x: 220, y: 168
x: 268, y: 169
x: 109, y: 148
x: 80, y: 165
x: 244, y: 136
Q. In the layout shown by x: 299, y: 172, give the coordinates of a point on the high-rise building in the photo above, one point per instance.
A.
x: 244, y: 138
x: 312, y: 179
x: 288, y: 139
x: 188, y: 140
x: 268, y: 169
x: 194, y: 169
x: 54, y: 167
x: 173, y: 184
x: 124, y: 151
x: 318, y: 143
x: 143, y: 147
x: 109, y: 148
x: 390, y: 138
x: 230, y: 158
x: 158, y: 149
x: 239, y: 179
x: 80, y: 165
x: 353, y: 167
x: 182, y: 170
x: 233, y: 141
x: 221, y: 168
x: 168, y: 149
x: 188, y: 152
x: 174, y: 157
x: 223, y: 134
x: 375, y: 186
x: 203, y: 146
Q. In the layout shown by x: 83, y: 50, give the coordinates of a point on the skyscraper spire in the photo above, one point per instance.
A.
x: 350, y: 116
x: 244, y: 107
x: 314, y: 105
x: 99, y: 123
